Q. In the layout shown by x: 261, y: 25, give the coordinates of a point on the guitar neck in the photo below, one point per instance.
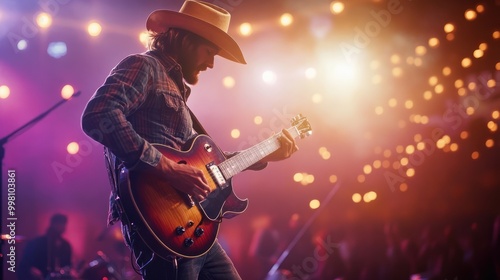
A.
x: 254, y: 154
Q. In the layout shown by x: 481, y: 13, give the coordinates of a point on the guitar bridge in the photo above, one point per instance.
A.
x: 216, y: 174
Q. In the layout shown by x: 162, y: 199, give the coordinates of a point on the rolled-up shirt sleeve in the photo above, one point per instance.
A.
x: 105, y: 117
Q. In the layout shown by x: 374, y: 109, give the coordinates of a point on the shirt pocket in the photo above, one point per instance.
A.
x: 169, y: 99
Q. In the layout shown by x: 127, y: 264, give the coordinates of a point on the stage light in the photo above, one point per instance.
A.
x: 356, y: 198
x: 73, y: 148
x: 257, y: 120
x: 228, y: 82
x: 446, y: 71
x: 464, y: 135
x: 245, y: 29
x: 420, y: 50
x: 480, y: 8
x: 459, y: 83
x: 461, y: 92
x: 495, y: 114
x: 497, y: 66
x: 433, y: 42
x: 317, y: 98
x: 410, y: 149
x: 492, y: 126
x: 466, y: 62
x: 379, y: 110
x: 333, y: 179
x: 22, y: 45
x: 369, y: 196
x: 483, y: 46
x: 470, y: 111
x: 453, y: 147
x: 314, y: 204
x: 439, y: 88
x: 420, y: 146
x: 67, y: 91
x: 491, y: 83
x: 427, y: 95
x: 298, y: 177
x: 395, y: 59
x: 470, y: 15
x: 57, y: 49
x: 367, y: 169
x: 324, y: 153
x: 269, y: 77
x: 433, y: 80
x: 496, y: 34
x: 474, y: 155
x: 449, y: 27
x: 235, y: 133
x: 361, y: 178
x: 286, y: 19
x: 337, y: 7
x: 393, y: 102
x: 94, y: 29
x: 410, y: 172
x: 450, y: 36
x: 478, y: 53
x: 144, y: 38
x: 4, y: 92
x: 403, y: 187
x: 43, y: 20
x: 408, y: 104
x: 310, y: 73
x: 397, y: 72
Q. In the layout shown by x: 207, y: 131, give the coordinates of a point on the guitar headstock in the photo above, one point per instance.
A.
x: 302, y: 125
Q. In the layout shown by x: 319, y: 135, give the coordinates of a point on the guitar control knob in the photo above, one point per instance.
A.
x: 180, y: 230
x: 188, y: 242
x: 199, y: 232
x: 190, y: 223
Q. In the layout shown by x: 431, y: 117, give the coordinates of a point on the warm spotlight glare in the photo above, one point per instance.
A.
x: 356, y: 198
x: 427, y: 95
x: 470, y: 111
x: 470, y: 14
x: 298, y: 177
x: 395, y: 59
x: 393, y: 102
x: 420, y: 50
x: 491, y: 83
x: 4, y: 92
x: 67, y: 91
x: 433, y: 80
x: 464, y: 135
x: 495, y: 114
x: 324, y: 153
x: 379, y: 110
x: 408, y: 104
x: 269, y: 77
x: 317, y: 98
x: 286, y: 19
x: 310, y: 73
x: 475, y: 155
x: 144, y: 38
x: 483, y: 46
x: 314, y: 204
x: 228, y: 82
x: 43, y: 20
x: 73, y: 148
x: 377, y: 164
x: 466, y: 62
x: 235, y: 133
x: 22, y: 45
x: 410, y: 149
x: 257, y: 120
x: 369, y: 196
x: 478, y: 53
x: 489, y: 143
x: 397, y: 71
x: 433, y: 42
x: 333, y: 179
x: 480, y: 8
x: 496, y: 34
x: 453, y: 147
x: 337, y: 7
x: 94, y: 29
x: 361, y: 178
x: 410, y: 172
x: 403, y: 187
x: 438, y: 89
x: 246, y: 29
x: 446, y: 71
x: 492, y: 126
x: 459, y: 83
x: 367, y: 169
x: 450, y: 36
x: 449, y: 27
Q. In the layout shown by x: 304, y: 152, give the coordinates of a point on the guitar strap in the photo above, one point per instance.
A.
x: 196, y: 124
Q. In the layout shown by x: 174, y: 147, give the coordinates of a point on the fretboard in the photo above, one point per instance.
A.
x: 252, y: 155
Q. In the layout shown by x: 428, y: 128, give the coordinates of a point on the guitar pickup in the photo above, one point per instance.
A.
x: 216, y: 174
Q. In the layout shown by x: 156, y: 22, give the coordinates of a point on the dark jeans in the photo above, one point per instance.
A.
x: 215, y: 264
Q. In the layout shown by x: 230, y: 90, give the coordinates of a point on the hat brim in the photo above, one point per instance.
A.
x: 161, y: 20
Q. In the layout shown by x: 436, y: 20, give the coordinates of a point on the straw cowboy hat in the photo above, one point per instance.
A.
x: 204, y: 19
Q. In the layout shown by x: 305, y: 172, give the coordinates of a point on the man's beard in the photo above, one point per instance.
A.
x: 190, y: 69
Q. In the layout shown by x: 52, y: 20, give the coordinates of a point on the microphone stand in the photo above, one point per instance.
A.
x: 4, y: 141
x: 274, y: 269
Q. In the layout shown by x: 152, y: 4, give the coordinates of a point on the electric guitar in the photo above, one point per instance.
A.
x: 169, y: 221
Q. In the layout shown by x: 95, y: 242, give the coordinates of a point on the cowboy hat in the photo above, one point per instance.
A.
x: 204, y: 19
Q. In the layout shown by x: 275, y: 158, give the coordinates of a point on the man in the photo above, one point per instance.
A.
x: 143, y: 102
x: 47, y: 255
